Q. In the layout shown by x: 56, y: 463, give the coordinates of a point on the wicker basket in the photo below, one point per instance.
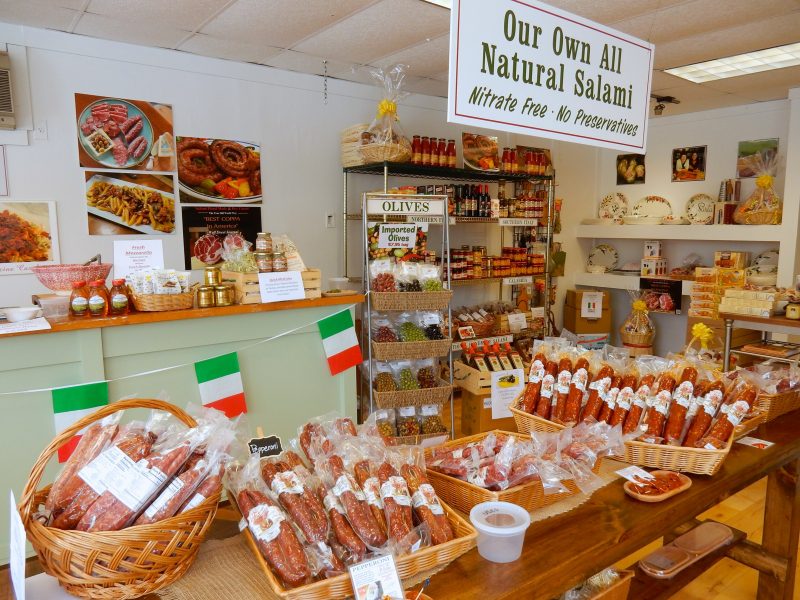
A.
x: 638, y: 344
x: 416, y: 440
x: 775, y: 405
x: 394, y: 152
x: 482, y: 330
x: 435, y: 395
x: 462, y: 495
x: 762, y: 217
x: 353, y: 133
x: 411, y: 300
x: 748, y: 426
x: 114, y: 564
x: 161, y: 302
x: 411, y: 350
x: 526, y: 422
x: 412, y: 568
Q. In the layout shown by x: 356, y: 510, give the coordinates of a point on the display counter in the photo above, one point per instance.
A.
x: 286, y: 380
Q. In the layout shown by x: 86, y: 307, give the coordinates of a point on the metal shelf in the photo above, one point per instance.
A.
x: 446, y: 173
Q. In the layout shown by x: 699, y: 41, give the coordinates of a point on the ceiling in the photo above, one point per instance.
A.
x: 299, y: 35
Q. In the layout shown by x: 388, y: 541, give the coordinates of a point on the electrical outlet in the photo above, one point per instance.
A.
x: 40, y: 131
x: 330, y: 221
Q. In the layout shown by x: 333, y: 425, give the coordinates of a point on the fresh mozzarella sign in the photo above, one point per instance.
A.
x: 528, y: 68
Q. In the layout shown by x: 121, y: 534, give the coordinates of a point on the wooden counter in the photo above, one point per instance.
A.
x: 137, y: 318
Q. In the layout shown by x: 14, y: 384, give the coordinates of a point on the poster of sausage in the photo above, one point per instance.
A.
x: 218, y: 171
x: 119, y: 133
x: 28, y: 235
x: 207, y: 230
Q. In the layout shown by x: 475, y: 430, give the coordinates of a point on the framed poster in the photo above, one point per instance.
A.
x: 28, y: 235
x: 206, y: 227
x: 630, y: 169
x: 689, y: 164
x: 129, y: 203
x: 219, y: 171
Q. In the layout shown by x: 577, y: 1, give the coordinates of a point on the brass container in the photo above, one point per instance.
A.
x: 213, y: 276
x: 205, y: 296
x: 224, y: 295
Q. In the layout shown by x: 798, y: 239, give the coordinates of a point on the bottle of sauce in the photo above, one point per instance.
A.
x: 451, y: 154
x: 98, y: 299
x: 442, y: 152
x: 506, y: 161
x: 512, y: 157
x: 263, y: 243
x: 531, y: 167
x: 79, y: 300
x: 416, y: 151
x: 426, y: 151
x: 118, y: 298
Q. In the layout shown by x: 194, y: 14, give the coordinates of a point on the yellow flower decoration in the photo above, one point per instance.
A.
x: 764, y: 181
x: 387, y: 108
x: 639, y: 306
x: 703, y: 333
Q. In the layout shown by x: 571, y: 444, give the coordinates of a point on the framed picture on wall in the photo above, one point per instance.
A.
x: 218, y: 171
x: 630, y: 169
x: 129, y: 203
x: 753, y: 155
x: 28, y: 235
x: 689, y: 163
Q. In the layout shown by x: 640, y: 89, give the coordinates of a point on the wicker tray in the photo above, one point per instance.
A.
x: 462, y: 495
x: 775, y: 405
x: 161, y: 302
x: 411, y: 350
x: 420, y: 397
x: 411, y: 300
x: 527, y: 422
x: 412, y: 568
x: 114, y: 564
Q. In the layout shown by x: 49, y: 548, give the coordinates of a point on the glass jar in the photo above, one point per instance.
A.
x: 416, y: 151
x: 118, y: 298
x: 98, y: 299
x: 205, y: 296
x: 279, y: 264
x: 426, y: 151
x: 212, y: 276
x: 79, y: 300
x: 264, y: 242
x: 264, y: 262
x: 223, y: 295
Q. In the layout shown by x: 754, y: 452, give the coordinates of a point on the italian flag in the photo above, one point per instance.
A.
x: 340, y: 342
x: 71, y: 404
x: 220, y: 384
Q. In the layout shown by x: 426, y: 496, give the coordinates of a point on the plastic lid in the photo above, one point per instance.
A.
x: 78, y: 284
x: 117, y: 282
x: 500, y: 519
x: 665, y: 562
x: 98, y: 282
x: 704, y: 538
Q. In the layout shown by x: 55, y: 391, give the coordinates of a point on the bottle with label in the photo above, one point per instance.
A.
x: 442, y: 152
x: 426, y: 151
x: 451, y: 154
x: 118, y: 305
x: 479, y: 360
x: 98, y: 299
x: 505, y: 165
x: 487, y: 199
x: 512, y: 157
x: 516, y: 358
x: 79, y: 300
x: 503, y: 357
x: 416, y: 151
x: 494, y: 362
x: 434, y: 152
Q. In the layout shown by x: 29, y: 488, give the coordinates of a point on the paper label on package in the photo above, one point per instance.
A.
x: 372, y: 491
x: 265, y: 522
x: 562, y: 385
x: 194, y: 502
x: 431, y: 319
x: 175, y: 486
x: 591, y: 305
x: 396, y: 488
x: 536, y: 372
x: 579, y: 379
x: 344, y: 484
x: 331, y: 502
x: 96, y: 473
x: 426, y: 496
x: 624, y: 398
x: 548, y: 383
x: 517, y: 322
x: 287, y: 482
x: 633, y: 473
x: 134, y: 486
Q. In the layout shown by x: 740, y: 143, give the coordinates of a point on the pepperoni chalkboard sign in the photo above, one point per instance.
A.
x: 266, y: 446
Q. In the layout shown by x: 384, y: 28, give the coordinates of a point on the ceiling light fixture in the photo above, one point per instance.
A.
x: 442, y: 3
x: 741, y: 64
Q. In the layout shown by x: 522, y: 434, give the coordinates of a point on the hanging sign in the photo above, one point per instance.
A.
x: 529, y: 68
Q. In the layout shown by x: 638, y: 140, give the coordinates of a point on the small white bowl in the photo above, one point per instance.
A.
x: 22, y: 313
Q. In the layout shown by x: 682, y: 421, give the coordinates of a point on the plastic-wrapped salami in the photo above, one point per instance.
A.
x: 679, y: 407
x: 547, y: 390
x: 581, y: 378
x: 648, y: 371
x: 558, y: 402
x: 531, y: 396
x: 427, y: 507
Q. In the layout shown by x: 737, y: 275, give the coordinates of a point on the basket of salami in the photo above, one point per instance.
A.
x: 530, y: 471
x: 128, y: 512
x: 675, y: 413
x: 779, y: 388
x: 336, y: 498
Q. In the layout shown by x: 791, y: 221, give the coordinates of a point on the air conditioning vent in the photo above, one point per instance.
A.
x: 7, y: 120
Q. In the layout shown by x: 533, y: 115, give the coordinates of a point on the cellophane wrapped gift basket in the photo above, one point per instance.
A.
x: 764, y: 206
x: 384, y: 139
x: 638, y: 331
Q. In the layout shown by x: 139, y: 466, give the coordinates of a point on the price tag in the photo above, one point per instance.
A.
x: 431, y: 319
x: 632, y: 472
x: 517, y: 322
x: 524, y: 280
x: 277, y: 287
x: 755, y: 442
x: 517, y: 222
x: 537, y: 312
x: 265, y: 446
x: 376, y: 579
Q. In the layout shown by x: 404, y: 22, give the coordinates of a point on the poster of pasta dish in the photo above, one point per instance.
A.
x: 28, y: 235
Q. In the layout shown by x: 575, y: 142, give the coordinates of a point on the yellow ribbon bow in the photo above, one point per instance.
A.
x: 703, y: 333
x: 387, y: 108
x: 764, y: 181
x: 640, y: 306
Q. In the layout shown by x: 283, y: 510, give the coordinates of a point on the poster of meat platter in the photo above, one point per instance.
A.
x: 28, y: 236
x: 661, y: 295
x: 118, y: 133
x: 210, y: 231
x: 129, y: 203
x: 218, y: 171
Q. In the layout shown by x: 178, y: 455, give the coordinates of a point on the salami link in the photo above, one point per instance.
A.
x: 531, y: 397
x: 597, y: 391
x: 355, y: 506
x: 396, y: 502
x: 174, y: 495
x: 639, y: 404
x: 207, y: 488
x: 656, y: 415
x: 294, y: 498
x: 580, y: 379
x: 343, y: 532
x: 610, y: 399
x: 679, y: 407
x: 372, y: 490
x: 625, y: 400
x: 561, y: 393
x: 544, y: 403
x: 426, y: 504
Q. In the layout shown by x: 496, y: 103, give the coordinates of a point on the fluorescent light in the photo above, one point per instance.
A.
x: 442, y: 3
x: 741, y: 64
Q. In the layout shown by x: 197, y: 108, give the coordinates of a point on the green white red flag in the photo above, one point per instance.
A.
x: 340, y: 341
x: 220, y: 384
x: 71, y: 404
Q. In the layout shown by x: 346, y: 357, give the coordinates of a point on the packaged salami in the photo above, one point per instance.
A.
x: 424, y: 500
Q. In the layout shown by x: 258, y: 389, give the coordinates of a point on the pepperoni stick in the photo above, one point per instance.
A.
x: 580, y: 379
x: 534, y: 386
x: 624, y: 400
x: 679, y: 407
x: 559, y: 401
x: 610, y: 399
x: 639, y: 404
x: 547, y: 388
x: 597, y: 391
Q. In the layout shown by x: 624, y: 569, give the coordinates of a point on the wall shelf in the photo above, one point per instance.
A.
x: 731, y: 233
x: 618, y: 282
x: 446, y: 173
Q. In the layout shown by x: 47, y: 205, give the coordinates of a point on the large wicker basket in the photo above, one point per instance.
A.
x: 775, y: 405
x: 162, y: 302
x: 411, y: 300
x: 412, y: 568
x: 393, y: 152
x: 463, y: 495
x: 411, y: 350
x: 114, y: 564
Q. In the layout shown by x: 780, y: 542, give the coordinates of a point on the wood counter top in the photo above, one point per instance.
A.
x: 59, y: 324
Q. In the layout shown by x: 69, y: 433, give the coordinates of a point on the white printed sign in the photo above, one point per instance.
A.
x: 529, y: 68
x: 134, y: 256
x: 277, y: 287
x: 506, y: 386
x: 517, y: 322
x: 592, y: 305
x: 397, y: 235
x: 376, y: 579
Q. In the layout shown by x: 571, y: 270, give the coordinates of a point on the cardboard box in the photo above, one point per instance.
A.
x: 653, y: 267
x: 476, y: 415
x: 729, y: 259
x: 652, y: 249
x: 574, y: 322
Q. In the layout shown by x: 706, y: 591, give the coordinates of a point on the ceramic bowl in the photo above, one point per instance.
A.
x: 59, y: 278
x: 22, y: 313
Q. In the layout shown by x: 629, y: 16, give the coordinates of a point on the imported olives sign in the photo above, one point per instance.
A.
x: 528, y: 68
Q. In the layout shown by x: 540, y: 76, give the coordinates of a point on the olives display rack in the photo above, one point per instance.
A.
x: 374, y: 208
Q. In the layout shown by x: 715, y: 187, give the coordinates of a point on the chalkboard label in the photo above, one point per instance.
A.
x: 266, y: 446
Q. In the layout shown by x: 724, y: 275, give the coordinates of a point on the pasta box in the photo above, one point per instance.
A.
x: 653, y: 267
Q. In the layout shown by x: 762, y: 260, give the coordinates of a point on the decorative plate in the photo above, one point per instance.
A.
x: 768, y: 258
x: 603, y: 255
x: 700, y: 209
x: 598, y: 222
x: 673, y: 220
x: 652, y: 206
x: 613, y: 206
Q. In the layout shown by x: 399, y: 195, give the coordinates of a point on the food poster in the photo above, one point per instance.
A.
x: 218, y: 171
x: 480, y: 152
x: 28, y: 236
x: 206, y: 227
x: 630, y: 169
x: 118, y: 133
x: 662, y: 295
x: 753, y: 154
x: 689, y: 164
x: 129, y: 203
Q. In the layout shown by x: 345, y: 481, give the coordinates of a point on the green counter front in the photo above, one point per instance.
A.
x: 286, y: 380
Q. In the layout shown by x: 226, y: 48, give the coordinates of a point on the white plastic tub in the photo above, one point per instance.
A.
x: 501, y: 530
